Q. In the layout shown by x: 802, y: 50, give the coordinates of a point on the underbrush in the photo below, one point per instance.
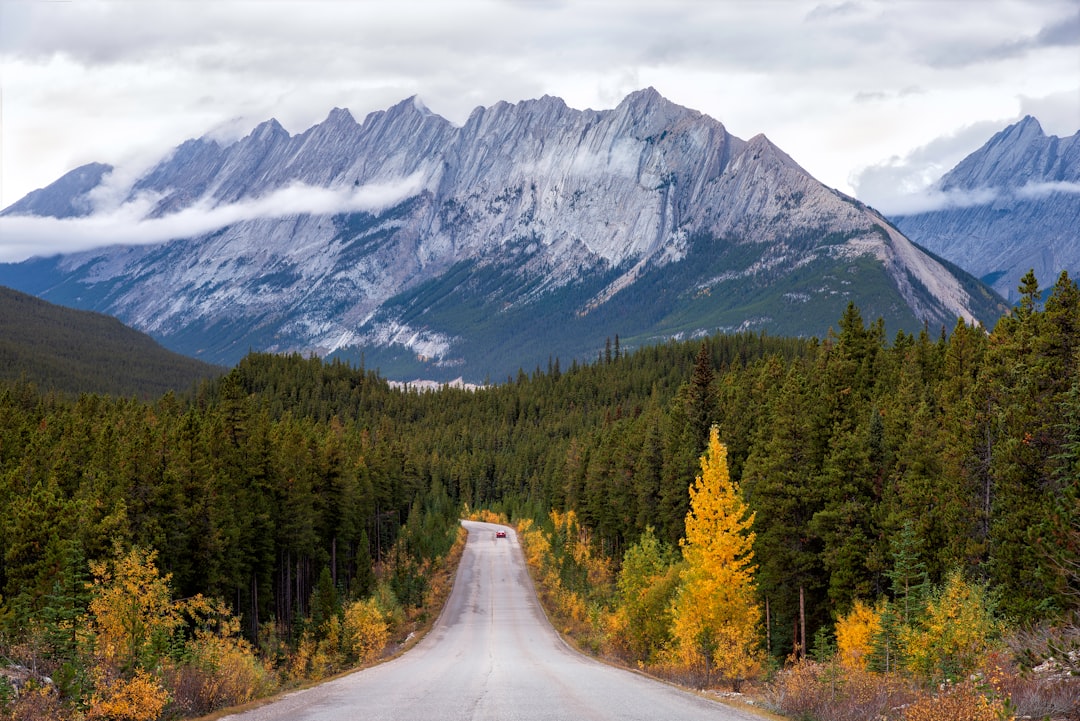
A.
x: 827, y: 691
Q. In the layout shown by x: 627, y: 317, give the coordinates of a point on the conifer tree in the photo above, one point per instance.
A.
x: 908, y: 574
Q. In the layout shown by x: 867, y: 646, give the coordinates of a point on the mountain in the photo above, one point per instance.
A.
x: 533, y: 231
x: 1015, y: 207
x: 76, y: 351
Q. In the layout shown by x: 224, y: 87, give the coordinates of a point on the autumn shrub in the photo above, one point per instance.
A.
x: 1043, y: 698
x: 219, y: 670
x: 299, y: 665
x: 958, y: 702
x: 486, y: 515
x: 132, y: 613
x: 1048, y: 682
x: 955, y: 633
x: 832, y: 692
x: 365, y: 631
x: 36, y: 703
x: 140, y: 697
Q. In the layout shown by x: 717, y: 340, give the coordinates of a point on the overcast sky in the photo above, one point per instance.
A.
x: 874, y: 97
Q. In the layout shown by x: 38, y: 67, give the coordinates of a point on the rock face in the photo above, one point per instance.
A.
x: 534, y: 231
x: 1016, y: 208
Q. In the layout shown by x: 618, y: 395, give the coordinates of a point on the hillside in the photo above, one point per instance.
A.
x: 73, y: 351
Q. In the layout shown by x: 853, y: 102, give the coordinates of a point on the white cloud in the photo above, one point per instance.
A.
x: 929, y: 200
x: 901, y: 185
x: 127, y: 224
x: 1041, y: 190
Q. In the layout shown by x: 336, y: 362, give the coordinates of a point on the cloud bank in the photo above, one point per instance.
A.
x: 931, y: 200
x: 127, y: 224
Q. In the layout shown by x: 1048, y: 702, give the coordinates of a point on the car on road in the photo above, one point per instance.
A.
x: 500, y: 534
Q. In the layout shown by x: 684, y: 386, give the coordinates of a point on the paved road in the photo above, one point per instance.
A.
x: 492, y: 655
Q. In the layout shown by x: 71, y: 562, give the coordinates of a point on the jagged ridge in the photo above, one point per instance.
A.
x: 530, y: 213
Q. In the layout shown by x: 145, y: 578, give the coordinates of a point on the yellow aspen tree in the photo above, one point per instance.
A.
x: 715, y: 618
x: 855, y: 634
x: 132, y: 612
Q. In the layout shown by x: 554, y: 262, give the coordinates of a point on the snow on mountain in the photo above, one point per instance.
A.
x: 533, y: 229
x: 1017, y: 209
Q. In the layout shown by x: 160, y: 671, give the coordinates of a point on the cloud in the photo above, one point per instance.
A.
x: 903, y: 184
x: 930, y: 200
x: 26, y: 236
x: 1035, y: 191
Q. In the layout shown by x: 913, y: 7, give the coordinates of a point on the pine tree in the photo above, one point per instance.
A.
x: 908, y: 574
x: 716, y: 617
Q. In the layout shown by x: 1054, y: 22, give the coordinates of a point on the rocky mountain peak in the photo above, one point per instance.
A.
x: 1015, y: 156
x: 268, y: 131
x: 66, y: 197
x: 1021, y: 209
x: 339, y: 118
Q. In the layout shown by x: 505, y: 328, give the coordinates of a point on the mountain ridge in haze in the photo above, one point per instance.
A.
x: 533, y: 230
x: 1017, y: 208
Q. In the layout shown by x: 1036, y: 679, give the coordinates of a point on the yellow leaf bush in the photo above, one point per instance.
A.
x: 365, y: 631
x: 955, y: 634
x: 855, y: 634
x: 963, y: 702
x: 139, y: 698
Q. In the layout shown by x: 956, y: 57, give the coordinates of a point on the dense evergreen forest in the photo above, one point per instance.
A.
x: 290, y: 481
x: 76, y: 351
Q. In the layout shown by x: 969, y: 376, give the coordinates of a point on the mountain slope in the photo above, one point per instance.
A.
x: 1017, y: 208
x: 534, y: 230
x: 76, y: 351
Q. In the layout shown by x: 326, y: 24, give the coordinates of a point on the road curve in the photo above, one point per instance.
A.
x: 492, y: 655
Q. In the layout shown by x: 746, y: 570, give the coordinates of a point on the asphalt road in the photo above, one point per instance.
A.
x: 492, y: 655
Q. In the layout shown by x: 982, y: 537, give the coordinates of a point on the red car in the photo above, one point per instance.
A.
x: 500, y: 534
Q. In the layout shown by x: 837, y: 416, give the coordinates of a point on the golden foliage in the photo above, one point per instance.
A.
x: 963, y: 702
x: 139, y: 698
x: 954, y: 635
x: 365, y: 631
x: 715, y: 620
x: 486, y: 515
x: 131, y: 607
x: 855, y: 634
x: 300, y: 662
x: 232, y: 673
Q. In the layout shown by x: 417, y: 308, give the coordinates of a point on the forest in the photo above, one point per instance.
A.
x: 159, y: 559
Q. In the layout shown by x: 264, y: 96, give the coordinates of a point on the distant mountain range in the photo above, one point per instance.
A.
x: 76, y: 351
x: 534, y: 231
x: 1010, y: 207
